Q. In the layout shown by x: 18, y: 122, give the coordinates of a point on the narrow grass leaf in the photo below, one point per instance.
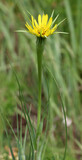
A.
x: 63, y: 107
x: 21, y: 31
x: 61, y: 32
x: 71, y: 24
x: 13, y: 158
x: 55, y: 20
x: 61, y: 22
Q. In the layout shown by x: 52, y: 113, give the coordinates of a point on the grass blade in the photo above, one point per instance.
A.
x: 63, y: 110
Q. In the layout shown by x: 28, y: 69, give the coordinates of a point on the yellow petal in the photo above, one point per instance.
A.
x: 42, y: 28
x: 36, y: 24
x: 29, y: 28
x: 32, y: 21
x: 39, y: 19
x: 54, y: 28
x: 44, y: 19
x: 49, y: 23
x: 48, y: 33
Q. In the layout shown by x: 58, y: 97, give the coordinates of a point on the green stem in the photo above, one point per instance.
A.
x: 40, y: 48
x: 39, y: 59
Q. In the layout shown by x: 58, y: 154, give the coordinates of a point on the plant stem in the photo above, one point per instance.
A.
x: 39, y: 59
x: 40, y: 48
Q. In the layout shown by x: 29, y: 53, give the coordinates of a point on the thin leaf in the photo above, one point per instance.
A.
x: 55, y: 19
x: 61, y: 33
x: 63, y: 107
x: 20, y: 31
x: 71, y: 23
x: 52, y: 13
x: 7, y: 136
x: 25, y: 138
x: 61, y: 22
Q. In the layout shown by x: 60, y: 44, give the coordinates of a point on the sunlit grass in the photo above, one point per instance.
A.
x: 63, y: 55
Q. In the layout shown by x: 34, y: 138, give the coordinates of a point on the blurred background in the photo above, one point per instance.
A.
x: 62, y: 55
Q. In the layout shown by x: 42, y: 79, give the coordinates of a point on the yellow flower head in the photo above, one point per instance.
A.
x: 43, y: 28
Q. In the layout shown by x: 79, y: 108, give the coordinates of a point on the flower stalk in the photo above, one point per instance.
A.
x: 40, y: 49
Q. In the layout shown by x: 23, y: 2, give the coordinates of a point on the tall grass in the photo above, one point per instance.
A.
x: 63, y: 56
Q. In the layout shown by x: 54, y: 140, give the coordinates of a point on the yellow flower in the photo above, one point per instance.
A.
x: 42, y: 28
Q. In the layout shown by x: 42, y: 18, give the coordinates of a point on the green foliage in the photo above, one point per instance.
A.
x: 63, y: 56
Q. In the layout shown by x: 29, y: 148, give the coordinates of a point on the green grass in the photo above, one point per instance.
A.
x: 62, y: 55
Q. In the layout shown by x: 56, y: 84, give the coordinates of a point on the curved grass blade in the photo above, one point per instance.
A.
x: 12, y: 129
x: 24, y: 143
x: 23, y: 108
x: 63, y: 107
x: 55, y: 19
x: 18, y: 142
x: 13, y: 158
x: 71, y: 24
x: 52, y: 13
x: 24, y: 111
x: 61, y: 22
x: 60, y: 33
x: 21, y: 31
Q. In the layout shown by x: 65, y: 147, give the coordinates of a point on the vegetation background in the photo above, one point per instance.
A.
x: 63, y: 56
